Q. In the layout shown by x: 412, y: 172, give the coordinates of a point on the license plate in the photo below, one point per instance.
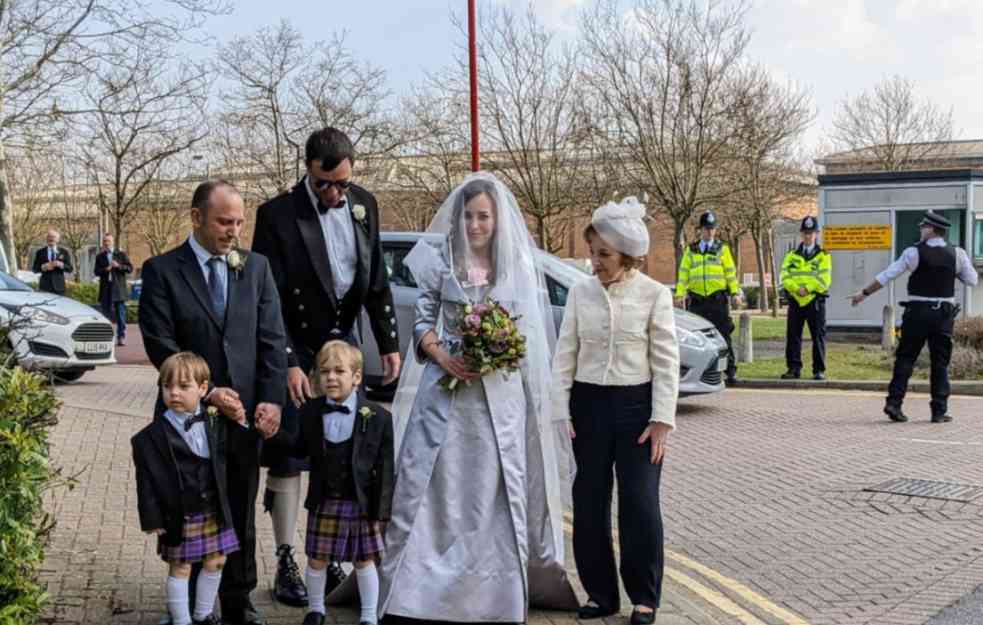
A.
x: 94, y: 348
x: 722, y: 364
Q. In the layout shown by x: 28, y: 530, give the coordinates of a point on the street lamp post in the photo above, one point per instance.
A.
x: 473, y: 61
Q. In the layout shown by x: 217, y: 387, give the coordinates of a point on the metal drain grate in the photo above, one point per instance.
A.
x: 929, y: 489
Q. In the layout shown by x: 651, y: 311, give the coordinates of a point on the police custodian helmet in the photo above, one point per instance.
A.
x: 809, y: 224
x: 708, y: 220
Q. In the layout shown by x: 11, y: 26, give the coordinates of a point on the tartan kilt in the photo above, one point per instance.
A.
x: 338, y: 532
x: 203, y: 537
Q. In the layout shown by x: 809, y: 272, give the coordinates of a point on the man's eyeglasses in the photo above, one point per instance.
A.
x: 321, y: 185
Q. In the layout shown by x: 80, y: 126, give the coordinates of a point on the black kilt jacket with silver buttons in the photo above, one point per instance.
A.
x: 289, y: 234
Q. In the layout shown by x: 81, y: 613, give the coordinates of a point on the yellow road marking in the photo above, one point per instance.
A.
x: 713, y: 597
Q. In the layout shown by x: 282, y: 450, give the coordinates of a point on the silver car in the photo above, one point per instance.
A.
x: 702, y: 351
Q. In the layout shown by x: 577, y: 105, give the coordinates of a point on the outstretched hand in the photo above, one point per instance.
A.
x: 228, y: 403
x: 657, y: 434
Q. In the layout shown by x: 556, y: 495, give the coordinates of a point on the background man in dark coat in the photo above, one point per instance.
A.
x: 322, y: 239
x: 52, y: 262
x: 208, y: 297
x: 112, y: 267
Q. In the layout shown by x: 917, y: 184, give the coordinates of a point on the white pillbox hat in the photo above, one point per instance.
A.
x: 622, y: 226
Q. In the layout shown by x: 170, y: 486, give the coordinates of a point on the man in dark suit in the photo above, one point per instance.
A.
x: 322, y: 239
x: 52, y: 262
x: 112, y: 267
x: 211, y: 298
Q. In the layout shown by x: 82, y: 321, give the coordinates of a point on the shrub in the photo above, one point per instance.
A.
x: 85, y: 292
x: 27, y: 410
x: 966, y: 363
x: 969, y: 332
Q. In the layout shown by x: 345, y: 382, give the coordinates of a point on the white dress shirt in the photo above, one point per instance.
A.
x: 338, y: 426
x: 909, y: 262
x: 203, y: 257
x: 196, y: 437
x: 624, y: 335
x: 52, y: 253
x: 339, y: 237
x: 109, y: 264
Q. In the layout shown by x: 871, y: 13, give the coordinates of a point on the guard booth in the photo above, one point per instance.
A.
x: 869, y: 219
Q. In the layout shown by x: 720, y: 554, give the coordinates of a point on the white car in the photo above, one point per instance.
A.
x: 53, y: 333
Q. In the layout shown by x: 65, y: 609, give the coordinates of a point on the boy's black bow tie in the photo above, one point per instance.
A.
x: 190, y: 421
x: 337, y: 408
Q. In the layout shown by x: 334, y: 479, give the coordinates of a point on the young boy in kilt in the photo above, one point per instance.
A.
x: 181, y: 488
x: 349, y: 495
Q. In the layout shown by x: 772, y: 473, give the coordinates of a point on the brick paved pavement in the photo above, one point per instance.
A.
x: 101, y: 569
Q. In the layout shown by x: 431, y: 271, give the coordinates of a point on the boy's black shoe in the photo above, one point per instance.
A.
x: 642, y: 618
x: 591, y: 611
x: 288, y: 587
x: 211, y: 619
x: 895, y: 414
x: 336, y: 576
x: 314, y: 618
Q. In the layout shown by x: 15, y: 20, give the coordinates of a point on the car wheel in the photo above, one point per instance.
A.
x: 68, y: 375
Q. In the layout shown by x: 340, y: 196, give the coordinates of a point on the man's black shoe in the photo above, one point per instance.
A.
x: 942, y: 418
x: 591, y: 611
x: 288, y: 587
x: 314, y: 618
x: 819, y: 375
x: 731, y: 380
x: 336, y: 576
x: 895, y: 414
x: 211, y: 619
x: 642, y: 618
x: 791, y: 375
x: 248, y: 616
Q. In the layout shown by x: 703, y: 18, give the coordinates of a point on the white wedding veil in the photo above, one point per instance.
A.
x: 517, y: 281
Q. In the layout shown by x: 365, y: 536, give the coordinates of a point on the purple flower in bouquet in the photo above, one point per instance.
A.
x: 473, y: 320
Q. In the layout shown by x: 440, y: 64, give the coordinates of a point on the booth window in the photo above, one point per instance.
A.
x: 978, y: 238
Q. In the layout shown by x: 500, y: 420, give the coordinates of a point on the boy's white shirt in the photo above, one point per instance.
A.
x: 196, y: 437
x: 338, y: 426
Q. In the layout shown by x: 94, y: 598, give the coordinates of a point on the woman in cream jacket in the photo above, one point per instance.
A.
x: 616, y: 375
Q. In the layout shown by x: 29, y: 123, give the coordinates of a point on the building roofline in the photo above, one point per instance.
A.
x: 929, y: 175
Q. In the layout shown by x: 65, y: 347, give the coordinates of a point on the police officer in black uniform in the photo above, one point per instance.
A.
x: 929, y: 314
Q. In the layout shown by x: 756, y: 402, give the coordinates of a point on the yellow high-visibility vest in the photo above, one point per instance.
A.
x: 815, y: 273
x: 705, y: 273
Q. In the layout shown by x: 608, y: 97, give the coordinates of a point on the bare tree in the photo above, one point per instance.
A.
x: 33, y: 175
x: 142, y: 117
x: 891, y: 127
x: 47, y: 47
x: 665, y: 77
x: 283, y: 89
x: 163, y: 217
x: 76, y: 217
x: 770, y: 121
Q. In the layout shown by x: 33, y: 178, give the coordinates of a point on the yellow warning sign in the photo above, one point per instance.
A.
x: 857, y: 237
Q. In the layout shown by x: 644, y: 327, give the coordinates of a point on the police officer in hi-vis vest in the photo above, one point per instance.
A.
x: 806, y: 275
x: 929, y: 314
x: 706, y: 282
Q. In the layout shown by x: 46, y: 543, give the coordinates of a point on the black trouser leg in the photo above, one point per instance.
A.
x: 716, y: 310
x: 793, y: 336
x: 817, y: 329
x: 940, y: 351
x: 239, y: 573
x: 911, y: 343
x: 639, y: 514
x: 594, y: 450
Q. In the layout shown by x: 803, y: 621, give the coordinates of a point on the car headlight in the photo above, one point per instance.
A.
x: 34, y: 313
x: 693, y: 339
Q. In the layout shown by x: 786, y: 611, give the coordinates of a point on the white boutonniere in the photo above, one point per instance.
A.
x: 366, y: 413
x: 358, y: 211
x: 236, y: 261
x: 212, y: 413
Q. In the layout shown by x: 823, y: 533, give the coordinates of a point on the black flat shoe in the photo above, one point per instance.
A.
x: 642, y: 618
x: 288, y: 587
x: 895, y: 414
x: 314, y: 618
x: 791, y: 375
x: 942, y: 418
x: 590, y: 611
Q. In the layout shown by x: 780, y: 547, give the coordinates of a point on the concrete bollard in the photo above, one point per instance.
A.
x: 887, y: 329
x: 745, y: 350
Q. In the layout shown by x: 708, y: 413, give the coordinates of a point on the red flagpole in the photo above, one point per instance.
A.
x: 473, y: 56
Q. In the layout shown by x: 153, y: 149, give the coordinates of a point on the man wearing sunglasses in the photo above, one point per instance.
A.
x: 322, y: 240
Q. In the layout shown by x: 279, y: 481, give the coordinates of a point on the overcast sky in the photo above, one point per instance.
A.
x: 832, y: 47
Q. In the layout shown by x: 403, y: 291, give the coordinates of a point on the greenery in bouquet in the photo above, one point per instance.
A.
x: 491, y: 341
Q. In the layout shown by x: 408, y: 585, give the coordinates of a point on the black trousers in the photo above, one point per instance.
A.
x: 608, y: 421
x: 716, y: 309
x: 814, y: 314
x: 924, y: 323
x: 239, y: 574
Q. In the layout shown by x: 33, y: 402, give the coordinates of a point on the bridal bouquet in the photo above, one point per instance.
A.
x: 491, y: 341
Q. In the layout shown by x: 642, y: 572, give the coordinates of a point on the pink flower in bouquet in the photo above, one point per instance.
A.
x: 477, y: 276
x: 473, y: 320
x: 481, y: 309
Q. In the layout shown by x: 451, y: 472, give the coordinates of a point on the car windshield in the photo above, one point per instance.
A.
x: 10, y: 283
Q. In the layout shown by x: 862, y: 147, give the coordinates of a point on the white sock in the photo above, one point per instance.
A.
x: 205, y: 592
x: 316, y: 581
x: 286, y: 505
x: 177, y: 601
x: 368, y: 591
